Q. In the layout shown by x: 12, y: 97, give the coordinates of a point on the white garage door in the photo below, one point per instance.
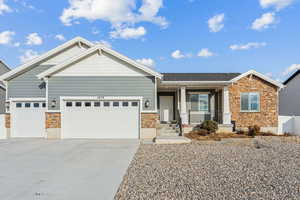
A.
x: 28, y: 119
x: 100, y: 119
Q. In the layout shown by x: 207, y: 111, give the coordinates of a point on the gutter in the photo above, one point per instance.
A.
x: 196, y: 82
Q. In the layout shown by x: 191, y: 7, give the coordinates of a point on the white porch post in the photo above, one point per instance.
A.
x: 183, y: 112
x: 226, y: 107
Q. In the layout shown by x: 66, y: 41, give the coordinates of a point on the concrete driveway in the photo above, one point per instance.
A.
x: 33, y: 169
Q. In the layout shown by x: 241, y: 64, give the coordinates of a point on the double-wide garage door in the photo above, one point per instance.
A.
x: 100, y: 119
x: 28, y: 118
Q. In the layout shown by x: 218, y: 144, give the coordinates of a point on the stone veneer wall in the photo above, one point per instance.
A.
x: 53, y: 120
x: 7, y: 120
x: 149, y: 120
x: 267, y: 118
x: 149, y: 124
x: 53, y: 125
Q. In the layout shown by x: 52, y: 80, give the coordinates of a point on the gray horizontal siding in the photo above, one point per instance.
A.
x: 27, y: 85
x: 289, y: 102
x: 2, y: 100
x: 102, y: 86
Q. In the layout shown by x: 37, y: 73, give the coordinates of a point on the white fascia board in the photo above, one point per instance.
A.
x: 133, y: 62
x: 97, y: 47
x: 69, y: 61
x: 195, y: 82
x: 262, y: 76
x: 27, y: 99
x: 82, y: 98
x: 45, y: 56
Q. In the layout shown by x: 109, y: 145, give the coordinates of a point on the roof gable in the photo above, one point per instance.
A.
x: 55, y: 51
x: 97, y: 49
x: 264, y: 77
x: 291, y: 77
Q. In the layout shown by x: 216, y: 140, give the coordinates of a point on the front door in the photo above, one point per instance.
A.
x: 166, y: 105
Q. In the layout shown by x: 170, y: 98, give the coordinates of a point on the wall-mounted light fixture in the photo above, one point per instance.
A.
x: 7, y: 104
x: 147, y: 104
x: 53, y: 103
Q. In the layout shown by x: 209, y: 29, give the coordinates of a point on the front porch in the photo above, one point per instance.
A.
x: 191, y: 105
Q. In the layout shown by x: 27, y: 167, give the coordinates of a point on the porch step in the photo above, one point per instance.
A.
x: 172, y: 140
x: 168, y: 130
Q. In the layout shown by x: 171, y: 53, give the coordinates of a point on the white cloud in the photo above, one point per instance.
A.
x: 278, y: 4
x: 95, y: 31
x: 6, y: 37
x: 269, y: 74
x: 215, y: 23
x: 177, y: 54
x: 147, y: 62
x: 117, y: 12
x: 60, y: 37
x: 247, y: 46
x: 205, y: 53
x: 4, y: 7
x: 264, y: 21
x: 17, y: 44
x: 105, y: 43
x: 34, y: 39
x: 28, y: 55
x: 290, y: 69
x: 128, y: 33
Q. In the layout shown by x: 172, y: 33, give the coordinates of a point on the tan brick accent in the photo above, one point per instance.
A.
x: 53, y: 120
x: 268, y: 115
x: 7, y: 120
x: 149, y: 120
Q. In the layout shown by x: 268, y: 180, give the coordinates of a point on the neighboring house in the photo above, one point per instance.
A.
x: 290, y: 96
x: 3, y: 69
x: 83, y: 90
x: 289, y: 107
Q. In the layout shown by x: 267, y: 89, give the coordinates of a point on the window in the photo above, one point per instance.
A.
x: 19, y: 105
x: 78, y: 104
x: 116, y: 104
x: 27, y: 105
x: 36, y: 105
x: 250, y: 102
x: 125, y: 104
x: 69, y: 104
x: 199, y: 102
x: 96, y: 104
x: 106, y: 104
x: 87, y: 104
x: 44, y: 105
x: 134, y: 104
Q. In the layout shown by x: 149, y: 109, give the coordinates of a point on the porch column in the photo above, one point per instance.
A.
x: 183, y: 112
x: 226, y: 107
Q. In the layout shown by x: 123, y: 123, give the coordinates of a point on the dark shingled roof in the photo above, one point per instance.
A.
x: 291, y: 77
x: 199, y: 76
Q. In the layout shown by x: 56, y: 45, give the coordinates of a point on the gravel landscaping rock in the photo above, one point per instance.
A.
x: 230, y: 170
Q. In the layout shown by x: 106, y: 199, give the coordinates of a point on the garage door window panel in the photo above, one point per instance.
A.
x: 19, y: 105
x: 97, y: 104
x: 88, y: 104
x: 36, y: 105
x: 78, y: 104
x: 106, y: 104
x: 27, y: 105
x: 69, y: 104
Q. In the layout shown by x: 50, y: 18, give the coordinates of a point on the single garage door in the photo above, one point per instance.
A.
x: 28, y: 119
x: 100, y: 119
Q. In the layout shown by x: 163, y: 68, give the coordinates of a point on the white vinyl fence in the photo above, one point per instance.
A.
x: 289, y: 124
x: 2, y: 127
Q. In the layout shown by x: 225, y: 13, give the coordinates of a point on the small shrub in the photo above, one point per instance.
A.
x: 240, y: 132
x: 210, y: 126
x: 256, y: 129
x: 253, y: 130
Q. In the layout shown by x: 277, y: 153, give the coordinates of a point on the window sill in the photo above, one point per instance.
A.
x: 242, y: 111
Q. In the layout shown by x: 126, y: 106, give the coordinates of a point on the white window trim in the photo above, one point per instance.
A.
x: 249, y: 103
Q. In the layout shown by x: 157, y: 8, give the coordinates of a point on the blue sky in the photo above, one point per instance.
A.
x: 173, y: 36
